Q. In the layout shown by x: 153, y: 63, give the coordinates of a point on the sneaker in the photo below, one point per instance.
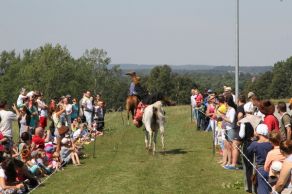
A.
x: 229, y: 167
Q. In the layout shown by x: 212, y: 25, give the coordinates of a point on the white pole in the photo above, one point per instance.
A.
x: 237, y: 51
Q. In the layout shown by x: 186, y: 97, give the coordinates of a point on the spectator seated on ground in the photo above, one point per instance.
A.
x: 69, y: 153
x: 81, y: 134
x: 38, y: 140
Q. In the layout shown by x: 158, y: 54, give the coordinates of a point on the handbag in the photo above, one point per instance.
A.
x: 63, y: 129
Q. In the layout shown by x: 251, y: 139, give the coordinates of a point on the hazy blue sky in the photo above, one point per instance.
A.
x: 153, y: 31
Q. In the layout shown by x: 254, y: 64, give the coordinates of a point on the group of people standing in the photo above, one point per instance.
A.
x: 50, y: 136
x: 257, y: 129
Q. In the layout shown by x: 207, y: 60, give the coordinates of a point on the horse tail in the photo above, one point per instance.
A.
x: 154, y: 115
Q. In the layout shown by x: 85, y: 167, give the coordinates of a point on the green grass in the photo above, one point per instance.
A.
x: 122, y: 165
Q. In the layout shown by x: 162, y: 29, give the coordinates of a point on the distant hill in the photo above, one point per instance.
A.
x: 204, y: 69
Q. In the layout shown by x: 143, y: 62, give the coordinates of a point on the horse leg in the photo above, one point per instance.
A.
x: 150, y: 139
x: 154, y: 141
x: 146, y: 139
x: 128, y: 117
x: 133, y: 112
x: 162, y: 138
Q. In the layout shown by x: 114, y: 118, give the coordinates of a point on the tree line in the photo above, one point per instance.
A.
x: 52, y: 70
x: 276, y: 84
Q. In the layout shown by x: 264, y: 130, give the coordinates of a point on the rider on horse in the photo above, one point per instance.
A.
x: 137, y: 90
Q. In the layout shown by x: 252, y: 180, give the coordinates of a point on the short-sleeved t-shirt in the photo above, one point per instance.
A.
x: 272, y: 122
x: 2, y: 174
x: 285, y: 122
x: 38, y: 141
x: 6, y: 122
x: 68, y: 109
x: 199, y: 100
x: 261, y: 151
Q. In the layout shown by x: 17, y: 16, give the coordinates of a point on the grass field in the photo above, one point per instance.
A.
x: 122, y: 165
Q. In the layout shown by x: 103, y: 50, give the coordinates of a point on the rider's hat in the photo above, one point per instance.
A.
x: 131, y: 73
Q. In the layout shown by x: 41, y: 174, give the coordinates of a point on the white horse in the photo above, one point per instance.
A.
x: 153, y: 119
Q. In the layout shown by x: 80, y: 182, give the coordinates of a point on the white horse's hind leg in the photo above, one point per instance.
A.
x: 162, y: 137
x: 146, y: 139
x: 150, y: 139
x: 154, y: 141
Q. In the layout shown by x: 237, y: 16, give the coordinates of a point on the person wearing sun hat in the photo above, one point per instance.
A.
x: 268, y: 108
x: 260, y: 149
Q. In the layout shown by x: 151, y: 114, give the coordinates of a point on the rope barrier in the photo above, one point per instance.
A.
x: 64, y: 163
x: 45, y: 179
x: 254, y: 167
x: 241, y: 152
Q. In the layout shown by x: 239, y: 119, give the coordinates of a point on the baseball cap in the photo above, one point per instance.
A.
x: 65, y: 140
x: 262, y: 129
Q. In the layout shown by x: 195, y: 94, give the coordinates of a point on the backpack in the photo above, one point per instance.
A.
x: 284, y: 132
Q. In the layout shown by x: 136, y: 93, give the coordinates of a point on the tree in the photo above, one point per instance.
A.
x: 160, y: 80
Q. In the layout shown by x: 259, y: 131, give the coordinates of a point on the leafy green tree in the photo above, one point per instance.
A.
x: 160, y: 80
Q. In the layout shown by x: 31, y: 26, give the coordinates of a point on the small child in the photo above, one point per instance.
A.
x: 99, y: 112
x: 21, y: 98
x: 275, y: 172
x: 69, y: 152
x: 261, y: 148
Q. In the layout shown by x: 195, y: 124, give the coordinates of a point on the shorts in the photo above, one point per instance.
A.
x: 43, y: 122
x: 236, y: 134
x: 228, y: 135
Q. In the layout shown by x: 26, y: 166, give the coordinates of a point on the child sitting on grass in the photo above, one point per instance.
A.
x: 69, y: 152
x: 81, y: 134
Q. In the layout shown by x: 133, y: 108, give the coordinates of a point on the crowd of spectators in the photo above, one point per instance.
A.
x: 50, y: 136
x: 252, y: 134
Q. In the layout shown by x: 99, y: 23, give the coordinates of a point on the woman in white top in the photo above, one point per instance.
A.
x: 228, y: 122
x: 23, y: 121
x: 58, y: 123
x: 68, y: 108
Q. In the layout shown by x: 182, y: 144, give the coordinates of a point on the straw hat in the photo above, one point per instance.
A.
x: 252, y: 119
x: 131, y: 73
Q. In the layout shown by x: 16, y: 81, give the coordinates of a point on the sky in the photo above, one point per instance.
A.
x: 174, y: 32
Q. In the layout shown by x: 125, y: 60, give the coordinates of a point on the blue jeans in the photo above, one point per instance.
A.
x: 263, y: 187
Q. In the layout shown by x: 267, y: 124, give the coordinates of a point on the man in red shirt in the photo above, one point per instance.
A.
x: 268, y: 108
x: 38, y: 140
